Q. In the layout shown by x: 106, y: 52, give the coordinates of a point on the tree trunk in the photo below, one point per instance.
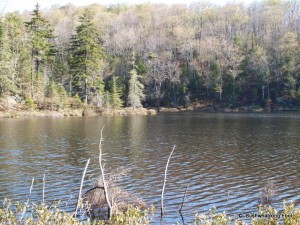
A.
x: 221, y: 87
x: 174, y: 96
x: 86, y: 96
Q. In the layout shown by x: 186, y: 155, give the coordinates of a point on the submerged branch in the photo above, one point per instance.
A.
x: 103, y: 175
x: 182, y: 203
x: 165, y: 179
x: 26, y: 204
x: 80, y: 190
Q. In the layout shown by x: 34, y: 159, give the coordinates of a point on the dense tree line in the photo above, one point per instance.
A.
x: 154, y: 55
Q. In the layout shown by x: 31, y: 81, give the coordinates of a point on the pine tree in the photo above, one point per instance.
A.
x: 136, y: 88
x: 217, y: 78
x: 86, y: 56
x: 100, y: 92
x: 14, y: 56
x: 6, y: 80
x: 116, y: 101
x: 42, y: 48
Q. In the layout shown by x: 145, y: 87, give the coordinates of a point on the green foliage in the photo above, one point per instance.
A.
x: 52, y: 90
x: 77, y: 99
x: 41, y: 35
x: 254, y: 94
x: 289, y: 87
x: 100, y: 95
x: 229, y: 88
x: 12, y: 48
x: 1, y: 33
x: 86, y: 57
x: 41, y: 214
x: 223, y: 54
x: 141, y: 67
x: 136, y: 88
x: 298, y: 97
x: 44, y: 214
x: 294, y: 214
x: 57, y: 93
x: 213, y: 218
x: 75, y: 102
x: 133, y: 215
x: 29, y: 103
x: 217, y: 78
x: 63, y: 95
x: 42, y: 47
x: 116, y: 101
x: 265, y: 216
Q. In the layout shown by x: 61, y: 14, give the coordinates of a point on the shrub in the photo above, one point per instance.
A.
x: 265, y: 216
x: 43, y: 214
x: 29, y: 103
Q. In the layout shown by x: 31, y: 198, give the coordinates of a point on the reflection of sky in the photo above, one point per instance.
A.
x: 18, y: 5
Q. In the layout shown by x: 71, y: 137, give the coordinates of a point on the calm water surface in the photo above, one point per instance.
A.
x: 225, y: 158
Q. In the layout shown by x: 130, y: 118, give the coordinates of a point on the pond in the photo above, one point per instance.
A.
x: 226, y: 159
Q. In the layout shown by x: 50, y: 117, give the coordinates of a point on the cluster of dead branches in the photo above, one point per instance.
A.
x: 118, y: 198
x: 105, y: 197
x: 267, y: 193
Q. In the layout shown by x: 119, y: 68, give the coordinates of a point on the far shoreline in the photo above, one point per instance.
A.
x: 86, y: 112
x: 89, y: 112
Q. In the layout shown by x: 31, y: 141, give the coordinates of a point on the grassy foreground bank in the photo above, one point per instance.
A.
x: 43, y: 214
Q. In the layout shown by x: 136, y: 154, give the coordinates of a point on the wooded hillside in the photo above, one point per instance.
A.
x: 153, y: 55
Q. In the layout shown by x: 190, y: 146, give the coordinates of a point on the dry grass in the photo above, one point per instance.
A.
x: 128, y: 111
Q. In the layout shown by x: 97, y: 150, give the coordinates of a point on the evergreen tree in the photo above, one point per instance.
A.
x: 100, y: 92
x: 6, y: 80
x: 217, y: 78
x: 258, y: 64
x: 136, y: 88
x: 14, y: 56
x: 52, y: 90
x: 57, y: 93
x: 289, y: 62
x: 86, y: 57
x: 116, y: 101
x: 42, y: 49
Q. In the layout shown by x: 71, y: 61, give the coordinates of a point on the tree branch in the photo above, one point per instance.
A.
x: 103, y: 176
x: 182, y: 203
x: 80, y: 190
x: 163, y: 189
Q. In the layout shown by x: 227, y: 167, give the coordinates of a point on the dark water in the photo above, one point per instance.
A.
x: 225, y: 158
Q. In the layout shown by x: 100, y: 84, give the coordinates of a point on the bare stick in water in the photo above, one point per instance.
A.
x: 44, y: 188
x: 80, y: 190
x: 165, y: 179
x: 182, y: 203
x: 26, y: 204
x: 103, y: 175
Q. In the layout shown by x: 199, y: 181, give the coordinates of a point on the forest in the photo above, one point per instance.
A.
x: 152, y: 55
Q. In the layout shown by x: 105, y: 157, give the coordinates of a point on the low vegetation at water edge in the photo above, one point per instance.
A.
x: 44, y: 214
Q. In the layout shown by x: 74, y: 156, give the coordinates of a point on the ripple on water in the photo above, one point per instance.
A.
x: 226, y: 159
